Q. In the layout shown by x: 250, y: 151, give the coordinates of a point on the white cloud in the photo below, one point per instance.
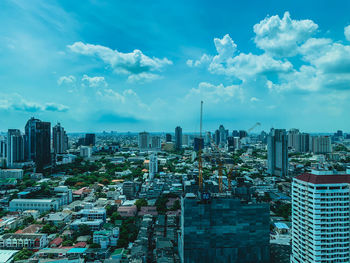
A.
x: 66, y: 80
x: 18, y: 103
x: 94, y: 82
x: 143, y: 77
x: 254, y: 99
x: 133, y: 63
x: 347, y: 32
x: 215, y: 94
x: 281, y: 37
x: 203, y: 61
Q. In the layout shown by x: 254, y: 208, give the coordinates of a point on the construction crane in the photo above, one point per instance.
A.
x: 200, y: 168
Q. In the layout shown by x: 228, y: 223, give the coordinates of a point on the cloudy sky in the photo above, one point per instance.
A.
x: 146, y: 65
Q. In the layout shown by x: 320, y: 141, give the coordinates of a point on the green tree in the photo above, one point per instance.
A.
x: 140, y: 202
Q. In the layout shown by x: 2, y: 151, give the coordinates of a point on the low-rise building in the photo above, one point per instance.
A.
x: 19, y: 241
x: 92, y: 214
x: 94, y: 225
x: 41, y: 205
x: 106, y: 238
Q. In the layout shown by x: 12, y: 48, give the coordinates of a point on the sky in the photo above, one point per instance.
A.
x: 97, y: 65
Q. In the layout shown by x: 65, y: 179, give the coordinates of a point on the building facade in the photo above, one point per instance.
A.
x: 15, y: 147
x: 277, y: 152
x: 144, y: 141
x: 59, y: 139
x: 178, y: 138
x: 223, y: 230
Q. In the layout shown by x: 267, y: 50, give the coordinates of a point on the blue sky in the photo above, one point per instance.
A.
x: 145, y: 65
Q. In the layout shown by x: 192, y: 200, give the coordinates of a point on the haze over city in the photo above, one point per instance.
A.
x: 127, y: 67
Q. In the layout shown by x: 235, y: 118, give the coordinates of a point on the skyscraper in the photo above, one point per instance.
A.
x: 178, y: 138
x: 153, y: 165
x: 217, y: 137
x: 320, y: 217
x: 198, y: 143
x: 15, y: 147
x: 222, y: 136
x: 38, y: 139
x: 277, y: 152
x: 298, y: 141
x: 155, y: 143
x: 223, y: 229
x: 321, y: 144
x: 144, y: 140
x: 168, y: 137
x: 59, y: 139
x: 90, y: 139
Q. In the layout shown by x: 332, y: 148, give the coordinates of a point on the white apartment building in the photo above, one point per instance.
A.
x: 42, y: 205
x: 320, y: 217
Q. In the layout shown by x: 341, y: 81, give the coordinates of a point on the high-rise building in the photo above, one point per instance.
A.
x: 277, y: 152
x: 223, y: 229
x: 59, y: 139
x: 90, y: 139
x: 243, y: 134
x: 155, y: 143
x: 300, y: 142
x: 235, y: 133
x: 222, y: 136
x: 144, y: 141
x: 153, y: 166
x: 3, y: 148
x: 217, y: 137
x: 38, y: 140
x: 168, y: 137
x: 185, y: 140
x: 15, y: 147
x: 178, y: 138
x: 321, y: 144
x: 198, y: 143
x: 320, y: 217
x: 207, y: 138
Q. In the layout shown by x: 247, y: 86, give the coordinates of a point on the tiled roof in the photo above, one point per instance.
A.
x: 324, y: 179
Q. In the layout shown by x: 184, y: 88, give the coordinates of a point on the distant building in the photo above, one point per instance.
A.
x: 85, y: 151
x: 168, y: 137
x: 144, y: 141
x: 38, y: 142
x: 178, y: 138
x: 222, y: 136
x: 223, y: 230
x: 59, y: 139
x: 321, y: 144
x: 3, y: 148
x: 277, y: 152
x: 155, y: 143
x: 153, y: 166
x: 217, y: 137
x: 185, y: 140
x: 300, y: 142
x: 11, y: 173
x: 198, y: 143
x: 90, y: 139
x: 15, y: 147
x: 320, y: 217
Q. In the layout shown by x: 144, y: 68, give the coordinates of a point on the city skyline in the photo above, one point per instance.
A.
x: 95, y: 67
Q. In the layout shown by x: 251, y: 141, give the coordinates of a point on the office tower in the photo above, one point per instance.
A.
x: 217, y: 137
x: 263, y: 137
x: 339, y: 133
x: 207, y: 138
x: 320, y: 217
x: 235, y: 133
x: 178, y: 138
x: 144, y: 140
x: 3, y: 148
x: 230, y: 144
x: 15, y: 147
x: 321, y: 144
x: 222, y: 136
x: 155, y: 143
x: 85, y: 151
x: 90, y: 139
x: 223, y: 229
x: 243, y: 134
x: 168, y: 137
x: 38, y: 139
x: 185, y: 140
x: 277, y: 152
x: 198, y: 143
x: 59, y: 139
x: 153, y: 166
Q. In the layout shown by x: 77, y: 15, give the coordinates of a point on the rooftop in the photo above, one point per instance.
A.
x: 324, y: 178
